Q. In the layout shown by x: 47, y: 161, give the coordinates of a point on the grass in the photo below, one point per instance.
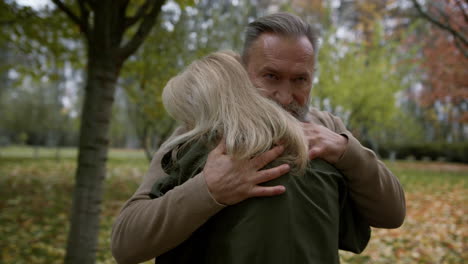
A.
x: 20, y: 152
x: 35, y: 201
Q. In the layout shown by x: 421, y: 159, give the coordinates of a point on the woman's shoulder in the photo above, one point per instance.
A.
x: 320, y: 165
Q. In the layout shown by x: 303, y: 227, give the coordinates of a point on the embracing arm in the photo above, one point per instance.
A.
x: 377, y: 193
x: 146, y: 228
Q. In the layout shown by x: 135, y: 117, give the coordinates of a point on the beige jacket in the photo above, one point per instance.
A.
x: 146, y: 228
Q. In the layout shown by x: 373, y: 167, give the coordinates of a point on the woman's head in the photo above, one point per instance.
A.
x: 200, y: 92
x: 214, y: 97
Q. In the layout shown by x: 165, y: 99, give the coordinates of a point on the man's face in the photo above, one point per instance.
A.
x: 282, y: 68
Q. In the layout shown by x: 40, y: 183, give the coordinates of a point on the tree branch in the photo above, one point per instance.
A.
x: 130, y: 21
x: 84, y: 11
x: 455, y: 34
x: 67, y: 11
x: 460, y: 6
x: 77, y: 20
x: 143, y: 30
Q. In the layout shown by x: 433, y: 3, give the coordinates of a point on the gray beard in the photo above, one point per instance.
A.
x: 298, y: 111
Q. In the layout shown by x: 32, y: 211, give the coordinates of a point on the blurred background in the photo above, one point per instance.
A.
x: 396, y: 78
x: 395, y: 71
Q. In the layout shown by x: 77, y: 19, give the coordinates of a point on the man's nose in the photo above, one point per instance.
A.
x: 283, y: 95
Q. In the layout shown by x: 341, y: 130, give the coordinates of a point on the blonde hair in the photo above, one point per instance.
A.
x: 214, y: 98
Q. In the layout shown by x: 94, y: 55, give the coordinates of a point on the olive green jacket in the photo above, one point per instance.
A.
x: 306, y: 224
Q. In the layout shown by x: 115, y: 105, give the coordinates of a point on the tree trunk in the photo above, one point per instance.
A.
x: 91, y: 170
x: 103, y: 24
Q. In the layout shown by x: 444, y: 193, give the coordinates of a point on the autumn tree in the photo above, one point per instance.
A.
x: 111, y: 31
x: 443, y: 67
x: 450, y: 16
x: 359, y: 83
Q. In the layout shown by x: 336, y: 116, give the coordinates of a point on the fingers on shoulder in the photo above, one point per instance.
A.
x: 261, y: 191
x: 267, y: 157
x: 270, y: 174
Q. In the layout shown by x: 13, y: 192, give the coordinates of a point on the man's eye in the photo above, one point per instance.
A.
x: 270, y: 76
x: 301, y: 79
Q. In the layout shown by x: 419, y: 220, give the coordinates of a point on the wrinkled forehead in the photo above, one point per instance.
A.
x: 286, y: 47
x: 293, y: 55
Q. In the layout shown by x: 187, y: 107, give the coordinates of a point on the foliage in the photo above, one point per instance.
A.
x: 440, y: 89
x: 454, y: 152
x: 359, y: 83
x: 434, y: 229
x: 33, y: 73
x: 194, y: 31
x: 35, y: 202
x: 445, y: 86
x: 450, y: 16
x: 145, y: 75
x: 31, y: 102
x: 39, y: 47
x: 40, y: 41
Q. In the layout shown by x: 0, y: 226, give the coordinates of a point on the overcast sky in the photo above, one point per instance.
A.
x: 34, y: 3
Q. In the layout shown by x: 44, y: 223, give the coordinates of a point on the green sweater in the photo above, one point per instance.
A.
x: 306, y: 224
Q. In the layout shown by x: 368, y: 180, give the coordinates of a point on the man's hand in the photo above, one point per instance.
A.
x: 231, y: 181
x: 324, y: 143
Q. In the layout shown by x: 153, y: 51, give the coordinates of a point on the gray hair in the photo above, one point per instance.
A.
x: 284, y: 24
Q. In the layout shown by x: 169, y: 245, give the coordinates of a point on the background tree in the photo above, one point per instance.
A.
x: 438, y: 95
x: 112, y: 32
x: 450, y: 16
x: 34, y: 66
x: 358, y: 84
x: 442, y: 91
x: 194, y: 31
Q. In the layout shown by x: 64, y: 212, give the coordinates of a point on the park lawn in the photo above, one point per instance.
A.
x: 35, y: 201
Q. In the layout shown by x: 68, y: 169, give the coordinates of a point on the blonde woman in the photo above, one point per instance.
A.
x: 214, y: 101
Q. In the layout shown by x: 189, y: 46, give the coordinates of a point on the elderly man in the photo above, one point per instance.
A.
x: 279, y: 55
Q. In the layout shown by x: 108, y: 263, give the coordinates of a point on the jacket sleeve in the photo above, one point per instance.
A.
x: 377, y: 193
x: 145, y: 228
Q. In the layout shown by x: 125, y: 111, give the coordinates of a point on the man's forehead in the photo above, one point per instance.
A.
x: 294, y: 56
x: 286, y: 48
